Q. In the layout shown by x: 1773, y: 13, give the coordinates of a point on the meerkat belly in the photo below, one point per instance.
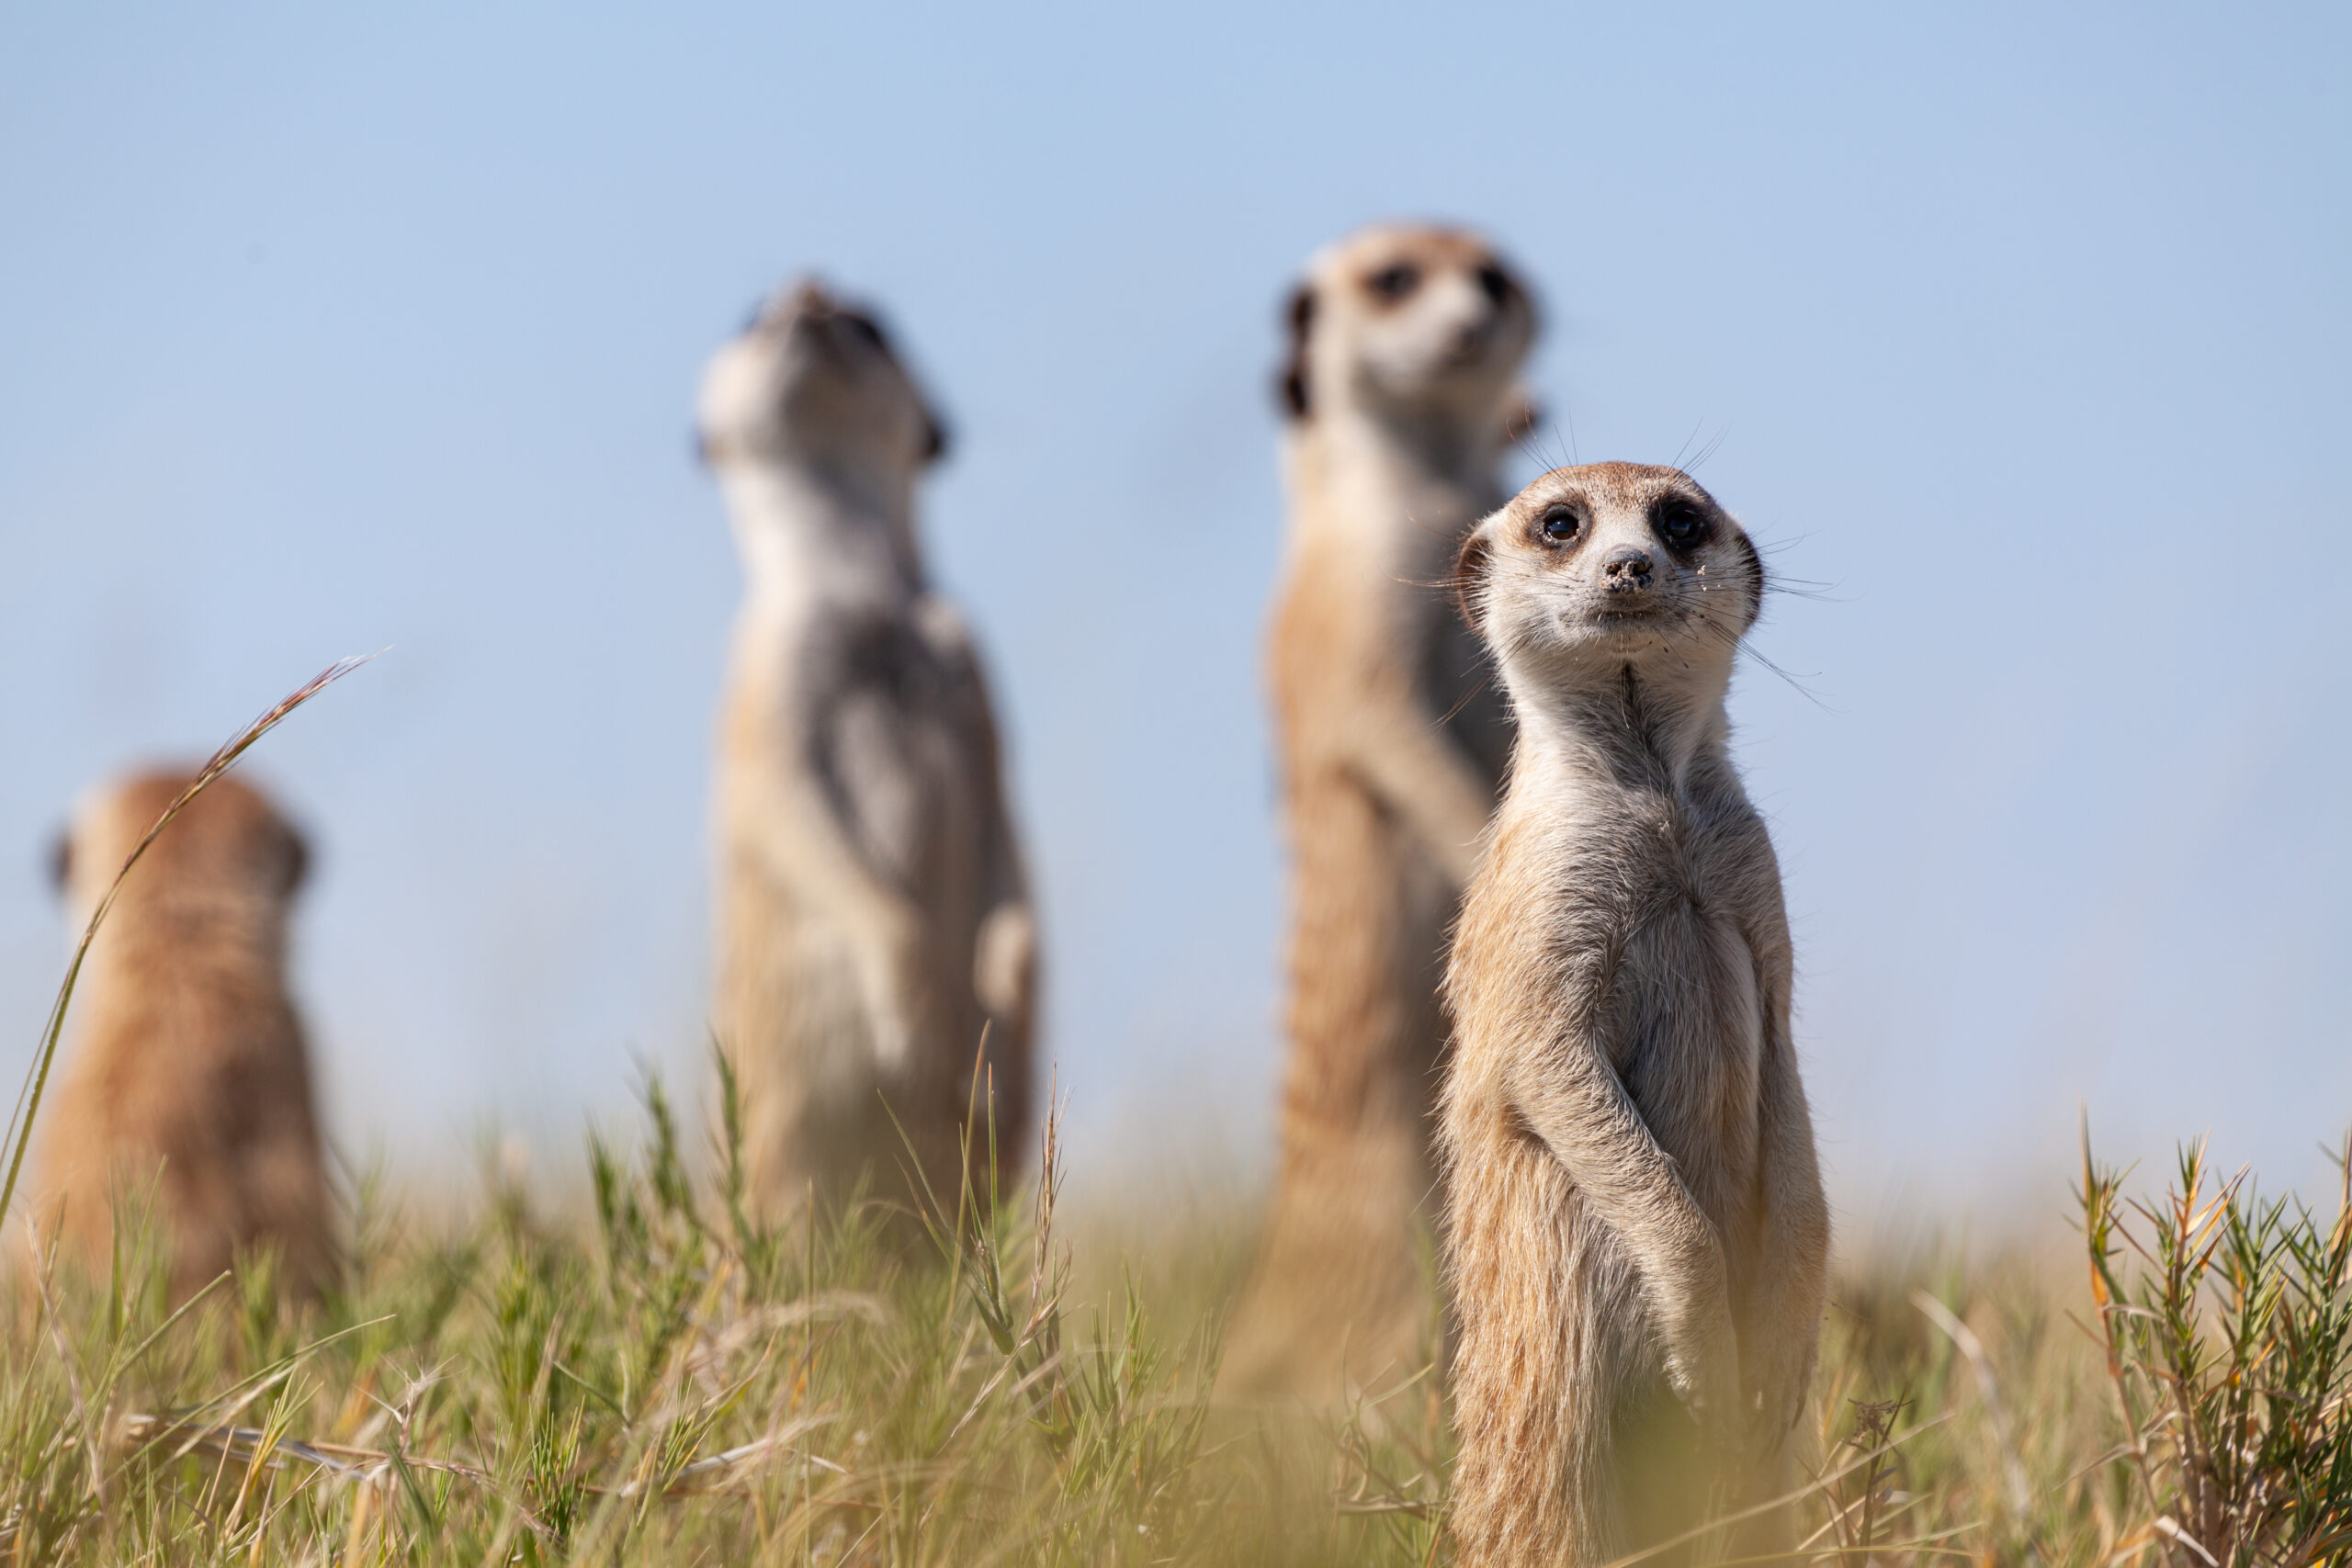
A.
x: 788, y: 999
x: 1692, y: 1052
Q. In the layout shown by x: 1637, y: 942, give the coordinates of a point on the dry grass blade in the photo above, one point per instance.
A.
x: 265, y: 1449
x: 20, y: 1120
x: 2013, y: 1481
x: 1814, y: 1488
x: 2165, y: 1525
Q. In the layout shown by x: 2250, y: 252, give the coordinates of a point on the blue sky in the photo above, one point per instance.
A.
x: 2022, y: 332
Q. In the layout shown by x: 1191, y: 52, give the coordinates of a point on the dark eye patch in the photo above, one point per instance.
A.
x: 1681, y: 522
x: 1495, y: 284
x: 1395, y: 281
x: 866, y: 330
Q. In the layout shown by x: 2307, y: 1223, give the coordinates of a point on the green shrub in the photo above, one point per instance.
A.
x: 2227, y: 1325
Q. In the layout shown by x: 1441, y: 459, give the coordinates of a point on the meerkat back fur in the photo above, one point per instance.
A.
x: 186, y: 1077
x: 874, y: 919
x: 1636, y: 1238
x: 1402, y: 402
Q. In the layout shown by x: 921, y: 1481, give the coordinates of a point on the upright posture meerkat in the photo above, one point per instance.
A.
x: 873, y: 912
x: 186, y: 1077
x: 1636, y: 1237
x: 1402, y: 402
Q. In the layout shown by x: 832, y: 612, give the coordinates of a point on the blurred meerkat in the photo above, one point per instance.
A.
x: 1636, y: 1237
x: 873, y: 911
x: 1402, y: 401
x: 184, y: 1074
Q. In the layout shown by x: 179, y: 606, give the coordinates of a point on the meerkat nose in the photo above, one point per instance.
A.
x: 801, y: 300
x: 1626, y: 568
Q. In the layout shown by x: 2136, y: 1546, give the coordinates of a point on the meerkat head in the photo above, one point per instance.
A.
x: 1607, y: 569
x: 229, y: 842
x: 1408, y: 321
x: 813, y: 378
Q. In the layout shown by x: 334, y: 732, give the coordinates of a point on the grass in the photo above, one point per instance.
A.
x: 663, y: 1376
x: 667, y: 1379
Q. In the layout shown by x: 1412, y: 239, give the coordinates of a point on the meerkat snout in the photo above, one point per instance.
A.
x: 788, y: 306
x: 813, y: 373
x: 1626, y: 571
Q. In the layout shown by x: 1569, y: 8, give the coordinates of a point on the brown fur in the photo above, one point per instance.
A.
x: 185, y: 1072
x: 873, y: 922
x: 1392, y: 746
x: 1636, y: 1235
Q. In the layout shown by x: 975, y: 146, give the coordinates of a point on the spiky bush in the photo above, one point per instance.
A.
x: 2226, y: 1319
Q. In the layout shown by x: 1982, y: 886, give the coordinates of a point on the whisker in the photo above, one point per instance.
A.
x: 1795, y: 684
x: 1708, y: 450
x: 1486, y: 682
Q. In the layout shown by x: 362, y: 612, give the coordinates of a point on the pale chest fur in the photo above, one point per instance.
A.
x: 1629, y: 913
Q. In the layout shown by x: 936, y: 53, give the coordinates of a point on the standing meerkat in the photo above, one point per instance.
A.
x: 1402, y: 401
x: 1636, y: 1237
x: 186, y: 1073
x: 873, y: 912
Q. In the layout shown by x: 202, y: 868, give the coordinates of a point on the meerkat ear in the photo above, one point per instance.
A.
x: 1756, y: 578
x: 935, y: 437
x: 297, y: 862
x: 1470, y: 575
x: 61, y: 858
x: 1292, y: 385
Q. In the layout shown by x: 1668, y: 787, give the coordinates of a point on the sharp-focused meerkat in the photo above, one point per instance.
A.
x: 1403, y: 401
x: 1636, y: 1237
x: 185, y: 1076
x: 873, y: 912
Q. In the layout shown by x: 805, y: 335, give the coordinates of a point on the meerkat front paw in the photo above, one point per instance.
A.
x: 1709, y: 1387
x: 1778, y: 1401
x: 1005, y: 960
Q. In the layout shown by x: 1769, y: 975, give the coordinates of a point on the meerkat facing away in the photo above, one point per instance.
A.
x: 874, y: 916
x: 1402, y: 403
x: 185, y: 1069
x: 1636, y: 1237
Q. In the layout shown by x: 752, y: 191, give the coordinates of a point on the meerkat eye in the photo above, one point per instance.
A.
x: 1493, y: 283
x: 1560, y: 522
x: 1679, y: 524
x: 1393, y: 283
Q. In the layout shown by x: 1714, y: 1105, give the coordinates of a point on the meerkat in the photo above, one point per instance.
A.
x: 1636, y: 1240
x: 185, y: 1076
x: 874, y: 920
x: 1402, y: 402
